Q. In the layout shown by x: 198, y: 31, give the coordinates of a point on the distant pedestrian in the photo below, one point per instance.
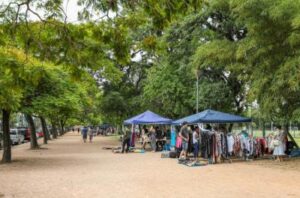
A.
x: 91, y: 134
x: 78, y: 130
x: 73, y: 129
x: 126, y: 140
x: 84, y: 132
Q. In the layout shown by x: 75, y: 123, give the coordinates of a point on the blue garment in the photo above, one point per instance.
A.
x: 173, y: 138
x: 84, y: 131
x: 184, y: 145
x: 295, y: 153
x: 196, y: 150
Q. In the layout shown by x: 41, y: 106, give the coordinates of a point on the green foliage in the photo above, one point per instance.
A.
x: 273, y: 61
x: 12, y: 77
x: 146, y: 56
x: 166, y: 91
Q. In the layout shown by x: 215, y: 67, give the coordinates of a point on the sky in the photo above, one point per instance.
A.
x: 70, y: 6
x: 72, y: 9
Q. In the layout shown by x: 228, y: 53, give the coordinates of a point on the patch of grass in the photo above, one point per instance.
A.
x: 298, y: 140
x: 115, y: 137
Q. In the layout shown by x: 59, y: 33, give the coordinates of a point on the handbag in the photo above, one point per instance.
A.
x: 276, y: 142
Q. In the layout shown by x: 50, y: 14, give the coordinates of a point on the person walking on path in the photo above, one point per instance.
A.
x: 84, y: 132
x: 196, y: 142
x: 78, y: 130
x: 184, y: 134
x: 126, y: 140
x: 91, y: 134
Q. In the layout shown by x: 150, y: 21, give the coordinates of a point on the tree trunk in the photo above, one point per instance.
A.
x: 54, y: 130
x: 45, y: 130
x: 48, y: 132
x: 33, y: 139
x: 62, y: 127
x: 6, y: 158
x: 264, y: 129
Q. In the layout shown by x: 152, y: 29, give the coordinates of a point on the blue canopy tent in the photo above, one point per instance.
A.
x: 148, y: 117
x: 211, y: 116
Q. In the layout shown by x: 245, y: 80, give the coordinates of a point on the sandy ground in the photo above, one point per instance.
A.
x: 69, y: 168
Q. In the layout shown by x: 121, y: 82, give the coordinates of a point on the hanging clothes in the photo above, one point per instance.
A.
x: 173, y: 137
x: 218, y: 145
x: 132, y: 138
x: 230, y: 142
x: 178, y: 142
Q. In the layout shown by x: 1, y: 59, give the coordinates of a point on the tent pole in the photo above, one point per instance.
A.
x: 251, y: 129
x: 197, y: 102
x: 264, y: 129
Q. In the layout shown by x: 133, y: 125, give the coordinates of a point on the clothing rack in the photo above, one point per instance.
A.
x: 217, y: 146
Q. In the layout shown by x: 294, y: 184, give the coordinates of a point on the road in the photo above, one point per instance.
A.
x: 67, y: 167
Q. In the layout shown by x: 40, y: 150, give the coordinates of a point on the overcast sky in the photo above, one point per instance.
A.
x: 71, y: 8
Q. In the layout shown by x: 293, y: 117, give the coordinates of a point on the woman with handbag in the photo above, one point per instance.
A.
x: 279, y: 144
x: 153, y: 138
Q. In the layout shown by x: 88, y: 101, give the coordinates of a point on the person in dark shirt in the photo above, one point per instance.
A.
x: 126, y: 140
x: 184, y: 134
x: 159, y: 139
x: 84, y: 133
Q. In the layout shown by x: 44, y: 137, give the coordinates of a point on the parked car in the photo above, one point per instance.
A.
x: 25, y: 131
x: 16, y: 137
x: 39, y: 134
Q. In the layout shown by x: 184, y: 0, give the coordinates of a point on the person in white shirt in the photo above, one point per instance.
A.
x: 196, y: 142
x: 91, y: 134
x: 279, y: 144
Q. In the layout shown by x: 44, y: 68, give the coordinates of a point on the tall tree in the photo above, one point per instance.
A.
x: 11, y: 69
x: 45, y: 130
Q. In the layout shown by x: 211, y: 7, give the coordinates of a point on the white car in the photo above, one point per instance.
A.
x: 16, y: 137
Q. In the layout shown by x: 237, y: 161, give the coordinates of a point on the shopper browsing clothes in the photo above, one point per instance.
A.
x: 145, y: 138
x: 196, y: 142
x: 279, y: 144
x: 153, y: 138
x: 184, y: 134
x: 126, y: 140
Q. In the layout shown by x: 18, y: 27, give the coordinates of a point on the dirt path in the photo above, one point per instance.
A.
x: 69, y: 168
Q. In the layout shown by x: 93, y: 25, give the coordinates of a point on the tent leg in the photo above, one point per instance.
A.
x: 251, y: 128
x: 264, y: 130
x: 293, y: 140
